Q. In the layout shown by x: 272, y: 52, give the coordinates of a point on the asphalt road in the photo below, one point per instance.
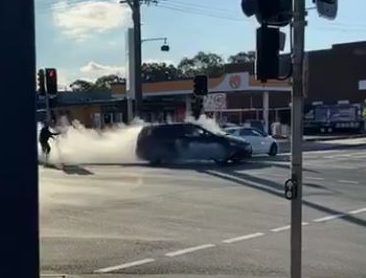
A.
x: 199, y: 220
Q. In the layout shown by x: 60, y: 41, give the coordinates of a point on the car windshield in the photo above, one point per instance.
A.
x: 185, y: 138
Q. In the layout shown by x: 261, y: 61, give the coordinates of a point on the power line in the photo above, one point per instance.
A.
x: 199, y: 7
x: 196, y: 5
x: 199, y: 12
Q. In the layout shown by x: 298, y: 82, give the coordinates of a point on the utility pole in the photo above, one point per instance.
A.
x: 19, y: 230
x: 297, y: 137
x: 136, y: 16
x: 135, y: 6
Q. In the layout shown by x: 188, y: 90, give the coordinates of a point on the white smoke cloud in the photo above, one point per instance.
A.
x: 77, y: 144
x: 82, y: 20
x: 93, y: 70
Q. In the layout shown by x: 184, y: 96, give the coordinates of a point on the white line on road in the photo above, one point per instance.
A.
x: 314, y: 178
x: 189, y: 250
x: 305, y: 223
x: 347, y: 181
x: 356, y: 211
x: 338, y: 156
x: 124, y: 266
x: 241, y: 238
x: 279, y: 229
x: 327, y: 218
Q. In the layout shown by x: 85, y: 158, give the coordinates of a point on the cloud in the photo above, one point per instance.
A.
x: 93, y: 70
x: 85, y: 19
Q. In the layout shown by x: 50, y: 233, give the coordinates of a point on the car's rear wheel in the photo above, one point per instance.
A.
x: 273, y: 150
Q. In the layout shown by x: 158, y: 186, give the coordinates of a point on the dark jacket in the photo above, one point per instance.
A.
x: 45, y: 135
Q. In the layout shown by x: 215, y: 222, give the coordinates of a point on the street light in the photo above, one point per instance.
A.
x: 165, y: 47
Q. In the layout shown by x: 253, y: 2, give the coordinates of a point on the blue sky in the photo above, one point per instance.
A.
x: 86, y: 39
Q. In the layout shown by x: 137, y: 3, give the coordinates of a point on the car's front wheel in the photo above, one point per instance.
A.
x: 273, y: 150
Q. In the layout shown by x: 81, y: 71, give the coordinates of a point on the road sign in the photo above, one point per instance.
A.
x: 327, y: 8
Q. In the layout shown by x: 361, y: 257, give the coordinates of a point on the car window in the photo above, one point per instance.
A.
x: 231, y: 131
x: 167, y: 131
x: 193, y: 131
x: 249, y: 132
x: 256, y: 133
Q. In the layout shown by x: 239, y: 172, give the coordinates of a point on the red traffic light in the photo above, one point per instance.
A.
x: 51, y: 81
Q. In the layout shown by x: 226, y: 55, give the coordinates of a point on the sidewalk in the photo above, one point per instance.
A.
x: 325, y: 143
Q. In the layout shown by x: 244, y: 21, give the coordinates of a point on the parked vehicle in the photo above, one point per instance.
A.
x: 261, y: 142
x: 170, y: 142
x: 334, y: 118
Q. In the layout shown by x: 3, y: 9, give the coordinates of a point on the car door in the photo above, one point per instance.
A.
x: 263, y: 141
x: 203, y: 145
x: 254, y: 138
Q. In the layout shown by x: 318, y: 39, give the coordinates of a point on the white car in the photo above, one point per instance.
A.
x: 261, y: 142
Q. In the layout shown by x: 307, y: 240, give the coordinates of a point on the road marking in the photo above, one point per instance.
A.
x: 54, y: 275
x: 356, y: 211
x: 338, y: 156
x: 241, y: 238
x: 247, y: 181
x: 124, y: 266
x: 189, y: 250
x: 347, y: 181
x: 314, y: 178
x: 327, y: 218
x: 280, y: 229
x: 305, y: 223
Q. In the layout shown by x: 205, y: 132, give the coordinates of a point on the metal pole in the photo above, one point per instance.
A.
x: 137, y: 39
x: 48, y: 109
x: 19, y: 168
x: 266, y: 110
x: 297, y: 137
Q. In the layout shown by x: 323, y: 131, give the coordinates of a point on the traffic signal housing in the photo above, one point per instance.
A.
x: 269, y: 12
x: 51, y: 81
x: 41, y: 82
x: 268, y: 53
x: 200, y: 85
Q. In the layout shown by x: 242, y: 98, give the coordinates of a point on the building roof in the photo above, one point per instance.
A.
x: 230, y: 82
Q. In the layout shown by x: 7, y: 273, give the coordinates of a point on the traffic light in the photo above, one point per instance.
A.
x: 268, y: 53
x: 51, y: 81
x: 327, y: 8
x: 41, y: 82
x: 273, y: 12
x: 200, y: 85
x: 165, y: 48
x: 197, y: 106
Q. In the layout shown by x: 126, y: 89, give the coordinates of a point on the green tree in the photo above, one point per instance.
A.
x: 155, y: 72
x: 105, y: 82
x: 81, y: 86
x: 210, y: 64
x: 242, y: 57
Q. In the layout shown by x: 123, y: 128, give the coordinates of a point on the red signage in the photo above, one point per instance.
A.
x: 235, y: 81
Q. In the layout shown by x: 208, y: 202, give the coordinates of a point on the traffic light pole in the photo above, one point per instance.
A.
x: 48, y: 108
x: 19, y: 168
x: 297, y: 137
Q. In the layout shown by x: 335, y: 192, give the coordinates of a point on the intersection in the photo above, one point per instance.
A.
x: 197, y: 219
